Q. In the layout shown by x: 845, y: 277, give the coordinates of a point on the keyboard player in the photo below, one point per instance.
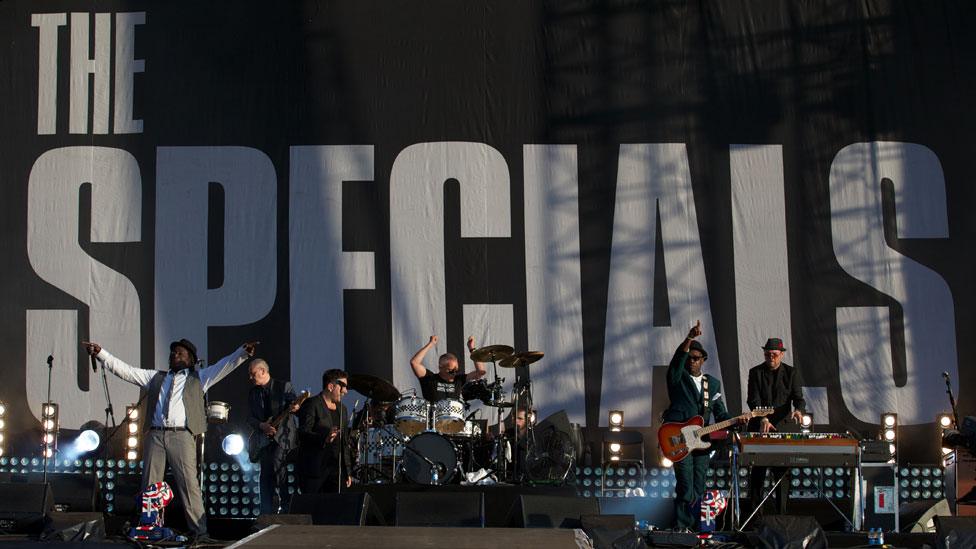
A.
x: 776, y: 384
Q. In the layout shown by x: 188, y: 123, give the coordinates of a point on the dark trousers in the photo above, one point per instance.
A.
x: 689, y: 475
x: 274, y: 479
x: 757, y: 491
x: 321, y: 485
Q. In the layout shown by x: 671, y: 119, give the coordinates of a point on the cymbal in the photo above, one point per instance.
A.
x: 489, y: 353
x: 521, y: 359
x: 374, y: 387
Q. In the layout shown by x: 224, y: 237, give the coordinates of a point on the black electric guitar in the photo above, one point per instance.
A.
x: 257, y: 441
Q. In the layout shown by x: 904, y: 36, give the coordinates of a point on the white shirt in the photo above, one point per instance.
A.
x: 173, y: 384
x: 698, y: 381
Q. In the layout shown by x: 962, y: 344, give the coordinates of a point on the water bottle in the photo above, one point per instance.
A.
x: 880, y: 537
x: 873, y: 536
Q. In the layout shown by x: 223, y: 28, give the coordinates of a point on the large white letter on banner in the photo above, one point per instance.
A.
x: 56, y: 256
x: 867, y: 379
x: 320, y: 270
x: 762, y: 275
x: 417, y: 277
x: 652, y: 180
x: 184, y: 305
x: 552, y: 278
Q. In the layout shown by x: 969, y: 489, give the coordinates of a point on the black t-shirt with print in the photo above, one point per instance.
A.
x: 434, y: 388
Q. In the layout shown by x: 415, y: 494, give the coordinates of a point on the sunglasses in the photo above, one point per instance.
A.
x: 341, y: 384
x: 696, y: 358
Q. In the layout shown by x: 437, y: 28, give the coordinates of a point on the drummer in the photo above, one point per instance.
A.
x: 447, y: 382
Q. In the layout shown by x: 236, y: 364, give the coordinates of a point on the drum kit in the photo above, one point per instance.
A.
x: 404, y: 437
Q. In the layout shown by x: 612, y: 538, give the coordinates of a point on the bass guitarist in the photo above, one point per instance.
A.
x: 268, y: 398
x: 692, y: 393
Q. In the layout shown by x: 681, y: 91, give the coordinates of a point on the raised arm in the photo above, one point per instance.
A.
x: 218, y: 370
x: 479, y: 367
x: 677, y: 365
x: 417, y: 362
x: 135, y: 376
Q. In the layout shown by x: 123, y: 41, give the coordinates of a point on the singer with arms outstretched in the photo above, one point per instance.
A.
x: 175, y: 416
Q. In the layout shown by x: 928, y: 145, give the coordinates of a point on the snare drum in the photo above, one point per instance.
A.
x: 410, y: 415
x: 449, y: 416
x: 218, y: 412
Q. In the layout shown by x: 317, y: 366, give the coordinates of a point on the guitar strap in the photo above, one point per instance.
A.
x: 705, y: 399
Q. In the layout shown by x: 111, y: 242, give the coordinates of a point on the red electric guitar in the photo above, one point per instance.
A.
x: 678, y: 439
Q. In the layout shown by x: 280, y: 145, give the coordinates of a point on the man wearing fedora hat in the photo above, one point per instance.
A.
x: 776, y: 384
x: 175, y: 416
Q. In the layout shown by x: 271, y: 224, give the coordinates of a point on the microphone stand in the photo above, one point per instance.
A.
x: 50, y: 369
x: 342, y: 449
x: 109, y: 411
x: 952, y: 399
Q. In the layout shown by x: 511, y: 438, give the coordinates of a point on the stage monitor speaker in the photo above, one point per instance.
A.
x: 917, y: 516
x: 75, y: 527
x: 615, y: 531
x: 456, y: 509
x: 952, y: 532
x: 23, y: 506
x: 73, y: 492
x: 535, y: 511
x: 347, y: 508
x: 263, y: 521
x: 791, y: 531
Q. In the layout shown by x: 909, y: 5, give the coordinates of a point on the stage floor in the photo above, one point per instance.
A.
x: 291, y: 537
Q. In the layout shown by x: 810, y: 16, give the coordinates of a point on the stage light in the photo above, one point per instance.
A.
x: 616, y: 420
x: 807, y: 421
x: 945, y: 420
x: 889, y: 426
x: 615, y: 447
x: 132, y: 440
x: 87, y: 441
x: 232, y: 444
x: 666, y: 463
x: 49, y: 429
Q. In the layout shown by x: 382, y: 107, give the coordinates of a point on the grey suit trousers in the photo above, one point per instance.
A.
x: 178, y: 449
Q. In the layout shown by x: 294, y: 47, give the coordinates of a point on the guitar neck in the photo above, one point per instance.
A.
x: 721, y: 425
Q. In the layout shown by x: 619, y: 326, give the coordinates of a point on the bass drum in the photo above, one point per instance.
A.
x: 436, y: 449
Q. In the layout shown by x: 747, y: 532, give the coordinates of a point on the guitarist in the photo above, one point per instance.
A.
x: 692, y: 393
x: 267, y: 398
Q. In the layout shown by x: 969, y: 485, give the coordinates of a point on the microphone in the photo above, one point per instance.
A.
x: 94, y: 364
x: 50, y: 360
x: 945, y: 375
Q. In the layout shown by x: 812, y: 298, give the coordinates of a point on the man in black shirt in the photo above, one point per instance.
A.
x: 447, y: 382
x: 777, y: 384
x: 324, y: 456
x: 268, y: 398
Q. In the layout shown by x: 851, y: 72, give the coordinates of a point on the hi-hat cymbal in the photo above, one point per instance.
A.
x: 491, y: 353
x: 521, y: 359
x: 374, y: 387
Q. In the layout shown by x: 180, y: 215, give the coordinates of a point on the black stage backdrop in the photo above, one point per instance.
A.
x: 341, y: 180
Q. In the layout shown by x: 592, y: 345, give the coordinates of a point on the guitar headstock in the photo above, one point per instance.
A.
x: 762, y: 411
x: 302, y: 396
